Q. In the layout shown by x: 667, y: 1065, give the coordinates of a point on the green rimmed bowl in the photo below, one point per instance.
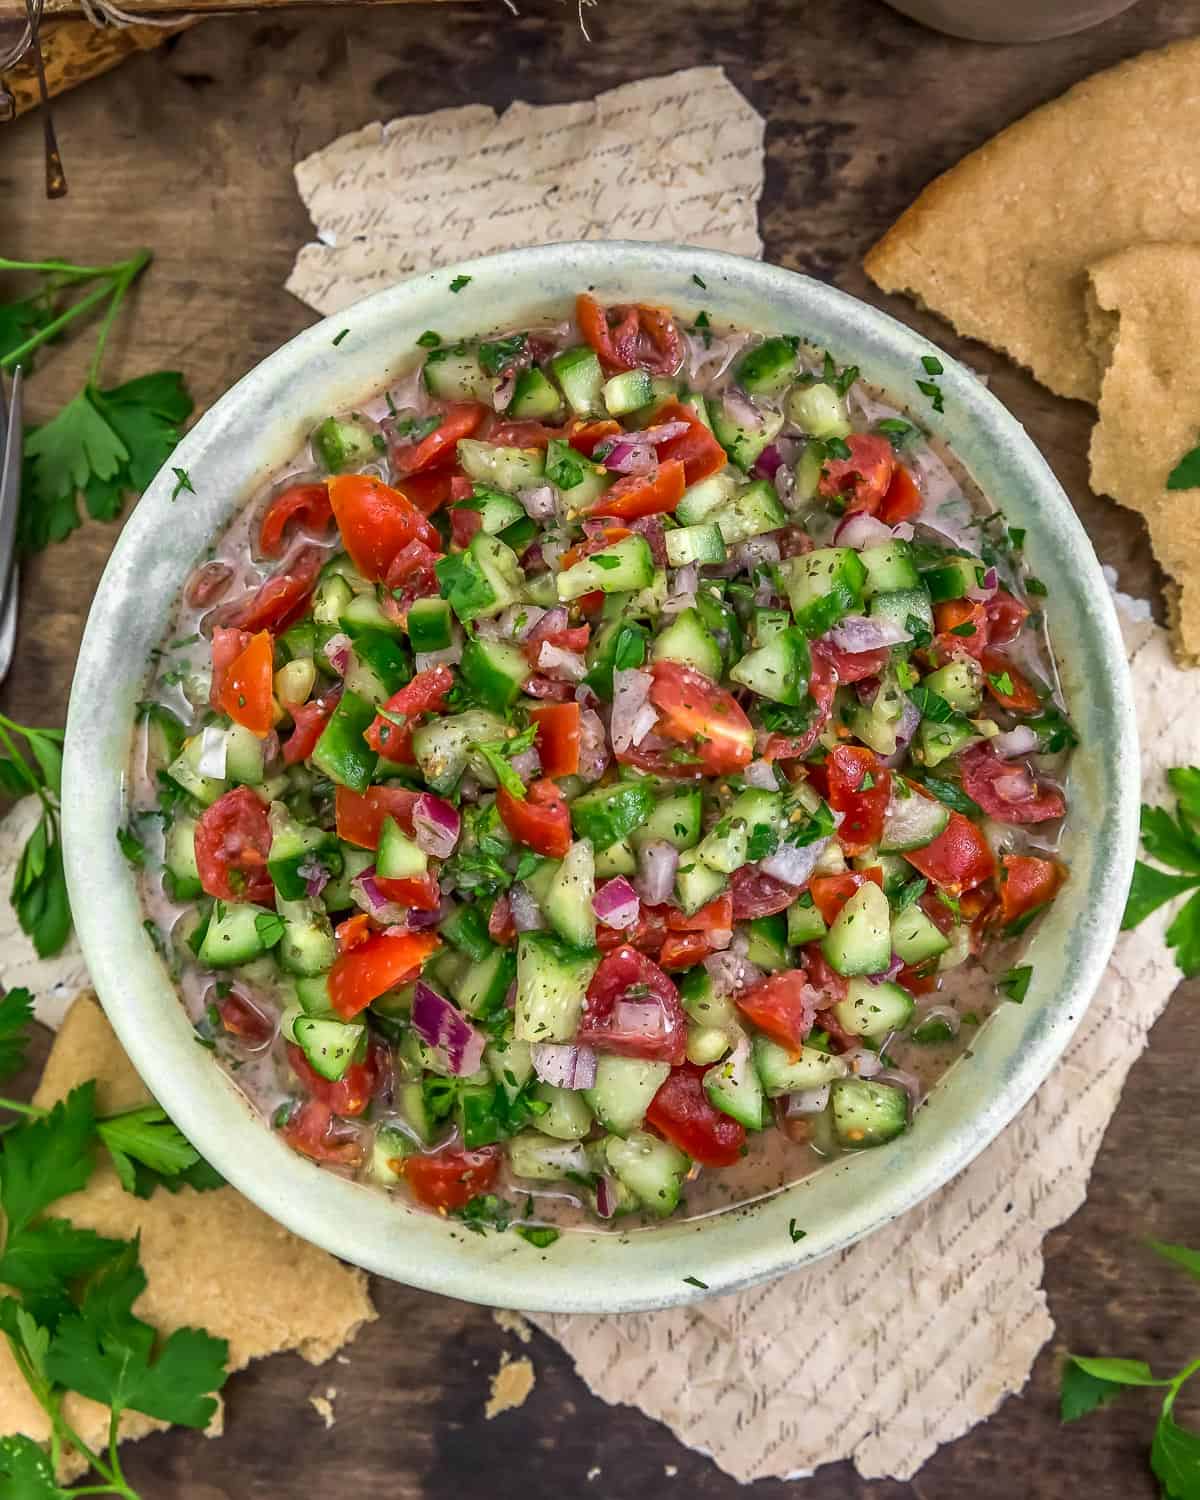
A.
x: 256, y: 427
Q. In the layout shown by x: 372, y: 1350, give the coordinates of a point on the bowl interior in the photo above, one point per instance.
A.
x: 260, y: 424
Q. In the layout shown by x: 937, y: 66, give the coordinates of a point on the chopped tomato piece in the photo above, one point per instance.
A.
x: 958, y: 859
x: 987, y: 779
x: 558, y: 736
x: 309, y: 721
x: 348, y: 1095
x: 864, y: 477
x: 960, y: 615
x: 822, y: 685
x: 697, y: 449
x: 1005, y: 616
x: 633, y: 1009
x: 313, y: 1132
x: 522, y: 435
x: 376, y: 522
x: 586, y: 437
x: 353, y: 931
x: 696, y: 712
x: 449, y: 1179
x: 360, y: 815
x: 822, y: 976
x: 648, y: 936
x: 684, y: 950
x: 859, y: 787
x: 425, y: 694
x: 233, y: 839
x: 592, y: 544
x: 857, y: 666
x: 382, y: 962
x: 631, y: 338
x: 227, y: 646
x: 903, y: 499
x: 248, y: 686
x: 1027, y: 882
x: 1000, y: 675
x: 460, y: 420
x: 717, y: 916
x: 430, y: 491
x: 242, y: 1018
x: 783, y: 1005
x: 831, y: 892
x: 650, y: 494
x: 501, y: 927
x: 754, y: 894
x: 281, y: 598
x: 540, y: 819
x: 421, y: 892
x: 680, y: 1111
x: 305, y: 504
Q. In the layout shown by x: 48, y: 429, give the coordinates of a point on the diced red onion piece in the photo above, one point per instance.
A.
x: 417, y: 920
x: 369, y: 898
x: 664, y: 432
x: 731, y: 971
x: 339, y: 653
x: 767, y: 462
x: 906, y: 727
x: 862, y: 1062
x: 755, y: 551
x: 743, y: 411
x: 440, y: 1025
x: 315, y: 877
x: 639, y: 1017
x: 651, y: 527
x: 859, y: 633
x: 631, y: 691
x: 1015, y: 784
x: 538, y: 502
x: 616, y: 903
x: 518, y: 621
x: 207, y: 584
x: 564, y: 1066
x: 436, y: 825
x: 631, y: 457
x: 807, y: 1101
x: 593, y: 744
x: 550, y: 623
x: 606, y: 1198
x: 904, y: 532
x: 448, y: 656
x: 686, y: 580
x: 527, y: 765
x: 793, y: 863
x: 213, y: 747
x: 556, y: 662
x: 526, y: 913
x: 1019, y: 741
x: 895, y: 964
x: 657, y: 863
x: 502, y: 391
x: 761, y: 775
x: 982, y: 592
x: 861, y: 529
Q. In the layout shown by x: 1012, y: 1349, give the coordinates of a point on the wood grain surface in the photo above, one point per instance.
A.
x: 188, y: 150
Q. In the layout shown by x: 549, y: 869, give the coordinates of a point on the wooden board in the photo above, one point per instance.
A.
x: 72, y: 9
x: 74, y: 52
x: 189, y: 149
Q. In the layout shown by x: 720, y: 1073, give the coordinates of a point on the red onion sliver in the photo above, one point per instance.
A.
x: 1019, y: 741
x: 860, y: 529
x: 436, y: 825
x: 564, y: 1066
x: 440, y: 1025
x: 859, y: 633
x: 639, y: 1017
x: 526, y: 913
x: 616, y: 903
x: 657, y: 863
x: 793, y: 863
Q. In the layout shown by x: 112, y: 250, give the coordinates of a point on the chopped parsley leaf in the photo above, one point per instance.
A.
x: 1014, y: 984
x: 459, y: 282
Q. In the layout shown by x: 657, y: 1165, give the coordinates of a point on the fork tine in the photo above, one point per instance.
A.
x: 10, y: 478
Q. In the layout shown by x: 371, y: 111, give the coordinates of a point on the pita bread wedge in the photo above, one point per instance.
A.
x: 1000, y: 244
x: 212, y: 1259
x: 1145, y: 329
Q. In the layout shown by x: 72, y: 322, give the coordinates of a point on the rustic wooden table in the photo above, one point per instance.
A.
x: 188, y: 150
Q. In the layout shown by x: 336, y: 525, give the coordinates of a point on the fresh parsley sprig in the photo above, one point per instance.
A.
x: 105, y: 443
x: 31, y: 764
x: 1175, y: 842
x: 1091, y: 1383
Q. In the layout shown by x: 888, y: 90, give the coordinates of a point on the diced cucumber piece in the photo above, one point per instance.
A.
x: 341, y: 753
x: 617, y: 859
x: 696, y: 884
x: 688, y: 640
x: 782, y: 1073
x: 234, y: 934
x: 805, y: 924
x: 874, y: 1010
x: 878, y: 723
x: 622, y: 568
x: 623, y: 1089
x: 331, y: 599
x: 483, y: 580
x: 608, y: 814
x: 733, y: 1087
x: 860, y: 940
x: 184, y: 770
x: 312, y: 995
x: 337, y: 895
x: 534, y: 397
x: 676, y: 818
x: 915, y: 937
x: 243, y: 756
x: 453, y: 373
x: 651, y: 1168
x: 581, y: 481
x: 510, y: 1062
x: 766, y: 624
x: 960, y: 683
x: 496, y: 511
x: 768, y: 367
x: 544, y: 1159
x: 568, y: 903
x: 724, y: 847
x: 443, y: 747
x: 695, y: 544
x: 378, y: 667
x: 807, y: 473
x: 179, y: 859
x: 699, y: 405
x: 388, y: 1152
x: 483, y: 985
x: 568, y: 1118
x: 430, y: 625
x: 307, y: 946
x: 579, y: 374
x: 910, y: 609
x: 399, y: 857
x: 889, y: 568
x: 953, y: 577
x: 706, y: 1044
x: 939, y: 740
x: 818, y: 410
x: 626, y: 392
x: 866, y: 1113
x: 329, y: 1046
x: 344, y: 445
x: 704, y: 1006
x: 823, y: 587
x: 778, y: 670
x: 704, y: 499
x: 508, y: 469
x: 751, y: 512
x: 911, y: 822
x: 743, y: 444
x: 495, y: 670
x: 768, y: 942
x: 552, y: 980
x: 294, y: 844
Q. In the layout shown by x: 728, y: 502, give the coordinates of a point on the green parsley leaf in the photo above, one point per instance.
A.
x: 270, y: 928
x: 429, y: 339
x: 499, y: 355
x: 183, y: 481
x: 103, y: 1351
x: 494, y: 754
x: 762, y: 843
x: 41, y: 1258
x: 965, y: 629
x: 1150, y: 889
x: 131, y: 847
x: 781, y: 718
x: 1175, y: 1459
x: 1186, y: 473
x: 933, y: 391
x: 485, y: 1211
x: 606, y: 561
x: 19, y: 320
x: 16, y: 1016
x: 695, y: 1281
x: 931, y: 705
x: 147, y: 1136
x: 1014, y: 983
x: 459, y: 282
x: 1035, y: 586
x: 1002, y: 683
x: 1178, y: 1255
x: 1054, y: 732
x: 566, y: 471
x: 1082, y: 1393
x: 75, y: 446
x: 932, y: 364
x: 542, y: 1236
x: 630, y: 648
x: 918, y: 630
x: 796, y: 1234
x: 1170, y: 842
x: 836, y: 447
x: 1016, y: 537
x: 1184, y: 936
x: 897, y: 431
x: 698, y: 282
x: 39, y: 888
x: 339, y: 337
x: 908, y: 894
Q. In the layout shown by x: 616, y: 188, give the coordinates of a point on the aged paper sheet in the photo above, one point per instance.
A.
x: 675, y: 159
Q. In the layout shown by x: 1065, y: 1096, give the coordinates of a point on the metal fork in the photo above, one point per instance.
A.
x: 11, y: 446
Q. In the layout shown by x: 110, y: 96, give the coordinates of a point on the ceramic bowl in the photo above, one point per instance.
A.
x: 257, y: 426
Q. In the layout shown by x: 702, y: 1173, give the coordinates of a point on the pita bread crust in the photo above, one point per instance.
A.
x: 1000, y: 244
x: 213, y: 1260
x: 1150, y: 411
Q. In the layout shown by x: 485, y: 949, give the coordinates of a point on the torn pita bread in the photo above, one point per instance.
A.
x: 1000, y: 244
x: 1145, y: 329
x: 212, y: 1259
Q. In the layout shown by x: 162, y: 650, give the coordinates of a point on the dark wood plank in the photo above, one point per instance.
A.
x: 189, y: 151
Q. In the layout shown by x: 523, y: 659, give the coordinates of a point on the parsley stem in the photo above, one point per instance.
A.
x: 132, y: 270
x: 85, y: 304
x: 17, y: 760
x: 52, y: 267
x: 18, y: 1107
